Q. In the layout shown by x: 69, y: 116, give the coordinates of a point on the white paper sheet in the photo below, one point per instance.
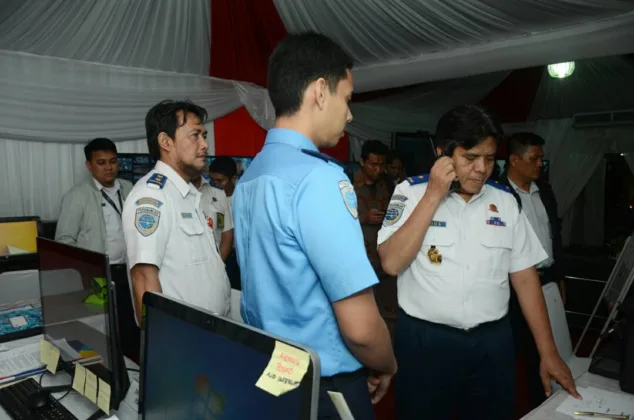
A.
x: 599, y: 401
x: 20, y: 360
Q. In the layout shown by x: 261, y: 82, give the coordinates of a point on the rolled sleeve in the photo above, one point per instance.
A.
x: 397, y: 213
x: 146, y: 228
x: 328, y: 230
x: 527, y: 250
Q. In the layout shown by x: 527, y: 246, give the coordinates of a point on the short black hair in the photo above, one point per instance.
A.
x: 394, y: 155
x: 163, y: 117
x: 520, y: 142
x: 100, y: 144
x: 224, y: 165
x: 374, y: 146
x: 467, y: 126
x: 299, y: 60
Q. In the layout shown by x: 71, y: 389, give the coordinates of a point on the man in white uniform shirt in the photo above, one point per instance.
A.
x: 170, y: 247
x: 90, y: 218
x: 524, y: 166
x: 216, y: 210
x: 453, y: 251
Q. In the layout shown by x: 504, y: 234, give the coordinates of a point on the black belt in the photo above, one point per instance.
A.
x: 478, y: 327
x: 346, y: 377
x: 546, y: 275
x: 117, y: 266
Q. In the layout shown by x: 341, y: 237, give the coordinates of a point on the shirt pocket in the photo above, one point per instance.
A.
x: 438, y: 251
x: 497, y: 245
x: 195, y: 247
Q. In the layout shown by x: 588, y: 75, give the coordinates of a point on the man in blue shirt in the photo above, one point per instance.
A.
x: 304, y: 270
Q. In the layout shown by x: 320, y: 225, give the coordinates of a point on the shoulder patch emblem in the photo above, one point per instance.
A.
x: 498, y: 186
x: 148, y: 201
x: 146, y: 220
x: 414, y: 180
x: 157, y: 179
x: 349, y: 197
x: 393, y: 213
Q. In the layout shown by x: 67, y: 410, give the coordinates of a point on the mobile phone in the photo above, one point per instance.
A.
x: 455, y: 185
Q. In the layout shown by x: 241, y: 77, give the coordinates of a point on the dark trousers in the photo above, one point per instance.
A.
x: 129, y: 332
x: 525, y: 344
x: 445, y: 371
x: 354, y: 387
x: 233, y: 271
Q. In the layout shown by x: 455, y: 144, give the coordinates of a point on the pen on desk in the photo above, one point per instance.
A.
x: 602, y: 415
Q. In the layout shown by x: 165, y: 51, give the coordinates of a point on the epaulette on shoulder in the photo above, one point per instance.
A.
x: 157, y: 179
x: 499, y: 186
x: 413, y: 180
x: 322, y: 156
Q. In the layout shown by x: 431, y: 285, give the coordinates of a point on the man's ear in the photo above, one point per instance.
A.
x: 234, y: 179
x: 88, y: 164
x: 164, y: 141
x: 320, y: 89
x: 512, y: 160
x: 361, y: 162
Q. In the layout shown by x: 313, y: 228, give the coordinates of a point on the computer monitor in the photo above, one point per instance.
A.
x: 18, y: 236
x: 134, y: 166
x: 79, y: 311
x: 196, y: 365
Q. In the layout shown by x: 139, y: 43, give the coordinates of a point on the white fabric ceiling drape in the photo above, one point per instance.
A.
x: 169, y: 35
x: 401, y: 43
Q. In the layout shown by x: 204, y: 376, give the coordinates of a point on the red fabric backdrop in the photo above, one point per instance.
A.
x: 243, y: 35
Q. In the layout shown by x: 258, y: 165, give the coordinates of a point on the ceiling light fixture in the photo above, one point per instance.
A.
x: 561, y: 70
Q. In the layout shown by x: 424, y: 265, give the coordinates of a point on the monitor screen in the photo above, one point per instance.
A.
x: 73, y: 292
x: 18, y: 236
x: 242, y: 163
x: 134, y: 166
x: 198, y: 366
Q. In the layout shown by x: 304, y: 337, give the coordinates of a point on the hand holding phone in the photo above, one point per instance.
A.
x: 442, y: 176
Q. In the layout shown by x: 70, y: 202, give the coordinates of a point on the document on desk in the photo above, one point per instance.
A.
x: 598, y: 401
x: 20, y: 360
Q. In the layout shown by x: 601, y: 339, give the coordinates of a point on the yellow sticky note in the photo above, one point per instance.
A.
x: 285, y: 370
x: 103, y: 400
x: 90, y: 390
x: 49, y: 355
x: 79, y: 380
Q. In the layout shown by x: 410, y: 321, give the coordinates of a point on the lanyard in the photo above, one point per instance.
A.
x: 109, y: 200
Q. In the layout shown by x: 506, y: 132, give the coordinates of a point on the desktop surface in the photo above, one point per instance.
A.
x: 190, y: 372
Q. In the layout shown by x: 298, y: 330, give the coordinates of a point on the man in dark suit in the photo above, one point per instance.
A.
x: 538, y: 202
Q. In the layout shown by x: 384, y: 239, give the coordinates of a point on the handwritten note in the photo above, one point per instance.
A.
x: 49, y: 355
x: 103, y: 400
x: 341, y: 405
x: 600, y: 401
x: 79, y: 380
x: 285, y: 370
x: 90, y: 390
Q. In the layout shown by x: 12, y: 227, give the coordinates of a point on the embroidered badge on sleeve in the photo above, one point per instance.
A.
x: 349, y: 197
x: 146, y: 220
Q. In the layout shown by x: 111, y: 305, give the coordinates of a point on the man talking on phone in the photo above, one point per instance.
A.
x: 373, y: 196
x: 453, y: 238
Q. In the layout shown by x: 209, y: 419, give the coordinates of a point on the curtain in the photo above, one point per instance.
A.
x: 405, y: 43
x: 169, y: 35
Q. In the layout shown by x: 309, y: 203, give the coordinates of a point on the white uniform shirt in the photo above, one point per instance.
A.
x: 164, y: 226
x: 480, y: 242
x: 115, y: 243
x: 216, y: 210
x: 535, y: 212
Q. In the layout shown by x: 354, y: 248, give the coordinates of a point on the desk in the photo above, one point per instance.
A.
x: 548, y: 410
x: 77, y: 404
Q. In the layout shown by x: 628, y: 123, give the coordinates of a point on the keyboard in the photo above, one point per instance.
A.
x: 14, y: 400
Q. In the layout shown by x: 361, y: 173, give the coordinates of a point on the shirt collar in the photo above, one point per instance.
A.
x: 100, y: 187
x: 183, y: 187
x: 289, y: 137
x: 532, y: 189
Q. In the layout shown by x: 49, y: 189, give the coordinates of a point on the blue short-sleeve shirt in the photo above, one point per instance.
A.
x: 299, y: 245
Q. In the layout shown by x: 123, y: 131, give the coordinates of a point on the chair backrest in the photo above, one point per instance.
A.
x: 558, y: 321
x: 236, y: 297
